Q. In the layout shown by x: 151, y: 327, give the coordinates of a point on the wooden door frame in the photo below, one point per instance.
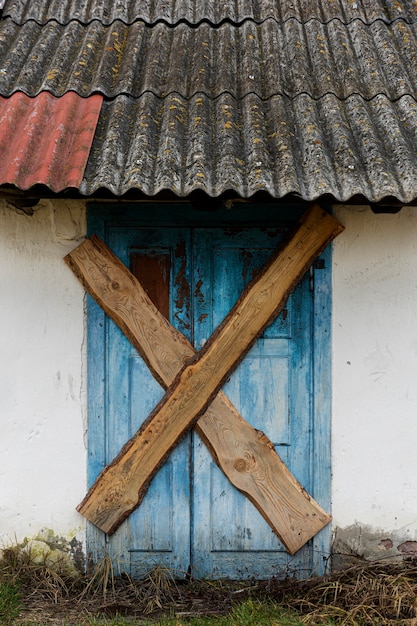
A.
x: 102, y: 215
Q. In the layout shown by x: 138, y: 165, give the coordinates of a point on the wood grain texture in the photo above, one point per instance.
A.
x: 245, y: 455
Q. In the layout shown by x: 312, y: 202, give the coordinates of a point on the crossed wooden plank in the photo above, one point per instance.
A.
x: 246, y: 456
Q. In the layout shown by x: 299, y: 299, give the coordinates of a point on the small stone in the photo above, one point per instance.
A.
x: 40, y: 553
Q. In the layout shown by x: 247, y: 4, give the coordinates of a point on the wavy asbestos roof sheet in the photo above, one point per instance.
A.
x: 196, y: 11
x: 266, y: 59
x: 282, y: 146
x: 46, y: 140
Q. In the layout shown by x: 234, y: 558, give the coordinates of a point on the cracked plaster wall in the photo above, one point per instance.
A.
x: 42, y: 401
x: 374, y: 426
x: 357, y: 543
x: 374, y: 430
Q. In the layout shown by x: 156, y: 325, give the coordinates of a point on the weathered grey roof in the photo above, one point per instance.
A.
x: 266, y: 59
x: 305, y: 97
x: 213, y: 11
x: 303, y: 146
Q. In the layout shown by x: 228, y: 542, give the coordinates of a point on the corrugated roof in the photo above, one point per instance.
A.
x: 308, y: 97
x: 46, y: 140
x: 266, y: 59
x: 196, y: 11
x: 282, y: 146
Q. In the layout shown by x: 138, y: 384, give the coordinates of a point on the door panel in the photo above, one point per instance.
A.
x: 192, y: 518
x: 157, y: 533
x: 230, y: 537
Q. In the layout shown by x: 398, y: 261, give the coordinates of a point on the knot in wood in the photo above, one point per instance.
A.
x: 240, y: 465
x: 115, y: 285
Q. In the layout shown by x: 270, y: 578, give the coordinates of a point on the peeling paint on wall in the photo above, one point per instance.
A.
x: 63, y: 555
x: 408, y: 549
x: 358, y: 542
x: 69, y: 220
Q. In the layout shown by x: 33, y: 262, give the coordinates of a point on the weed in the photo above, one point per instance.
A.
x: 257, y: 613
x: 48, y: 593
x: 10, y: 602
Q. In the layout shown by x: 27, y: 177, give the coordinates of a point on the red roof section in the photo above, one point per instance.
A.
x: 46, y: 140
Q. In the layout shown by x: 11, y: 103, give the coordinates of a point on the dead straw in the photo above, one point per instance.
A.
x: 366, y: 595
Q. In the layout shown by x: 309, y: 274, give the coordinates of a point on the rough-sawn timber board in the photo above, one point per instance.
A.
x: 245, y: 454
x: 292, y: 514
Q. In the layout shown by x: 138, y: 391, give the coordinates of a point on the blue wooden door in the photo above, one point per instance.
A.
x: 271, y: 390
x: 192, y: 519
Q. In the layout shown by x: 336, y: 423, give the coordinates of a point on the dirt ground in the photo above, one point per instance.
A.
x: 376, y: 593
x: 150, y: 598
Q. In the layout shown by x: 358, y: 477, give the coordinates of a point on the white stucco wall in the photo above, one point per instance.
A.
x: 375, y: 371
x: 42, y: 365
x: 42, y: 404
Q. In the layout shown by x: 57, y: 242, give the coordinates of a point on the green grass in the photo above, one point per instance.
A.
x: 369, y: 594
x: 10, y: 602
x: 249, y: 613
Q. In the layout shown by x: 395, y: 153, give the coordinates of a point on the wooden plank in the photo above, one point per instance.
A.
x: 115, y: 494
x: 245, y: 455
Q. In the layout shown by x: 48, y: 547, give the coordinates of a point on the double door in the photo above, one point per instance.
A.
x: 192, y: 520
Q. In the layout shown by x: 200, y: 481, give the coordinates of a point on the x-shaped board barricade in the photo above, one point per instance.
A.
x: 193, y: 382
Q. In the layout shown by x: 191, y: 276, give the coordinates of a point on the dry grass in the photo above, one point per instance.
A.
x: 39, y: 584
x: 371, y: 594
x: 111, y: 595
x: 54, y: 595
